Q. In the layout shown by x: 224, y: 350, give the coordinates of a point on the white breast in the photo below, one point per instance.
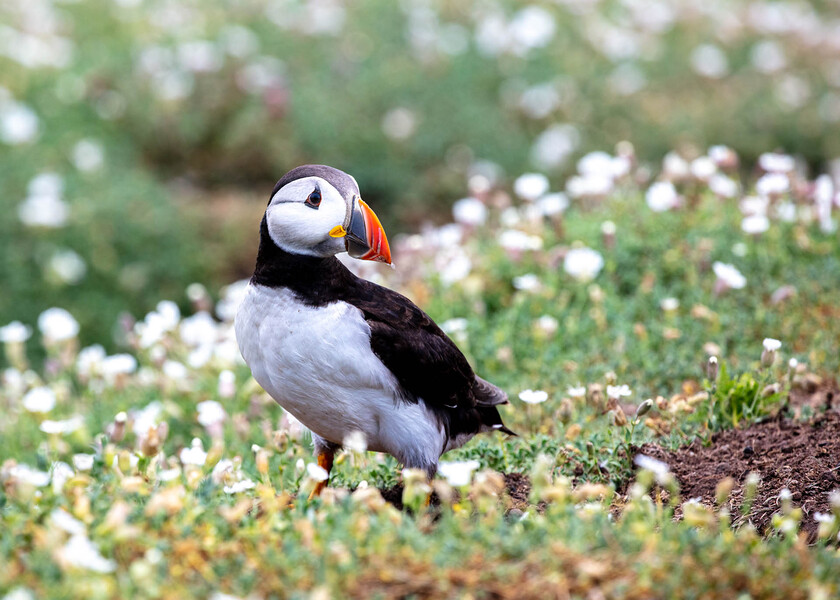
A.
x: 316, y: 362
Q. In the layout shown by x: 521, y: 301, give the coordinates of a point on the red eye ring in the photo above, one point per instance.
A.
x: 314, y: 199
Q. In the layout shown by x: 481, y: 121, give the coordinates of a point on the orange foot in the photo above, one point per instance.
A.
x: 325, y: 461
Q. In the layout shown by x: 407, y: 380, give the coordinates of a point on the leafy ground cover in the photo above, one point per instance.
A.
x: 165, y: 471
x: 121, y: 122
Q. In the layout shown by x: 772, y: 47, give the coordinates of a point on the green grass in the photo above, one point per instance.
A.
x: 172, y: 531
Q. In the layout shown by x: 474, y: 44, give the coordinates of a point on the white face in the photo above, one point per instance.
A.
x: 297, y: 227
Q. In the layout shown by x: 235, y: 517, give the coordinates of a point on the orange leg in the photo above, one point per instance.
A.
x: 325, y: 461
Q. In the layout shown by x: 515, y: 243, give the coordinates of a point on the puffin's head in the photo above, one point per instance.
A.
x: 317, y: 210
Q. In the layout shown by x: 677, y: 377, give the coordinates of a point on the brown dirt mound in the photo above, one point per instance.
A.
x: 800, y: 455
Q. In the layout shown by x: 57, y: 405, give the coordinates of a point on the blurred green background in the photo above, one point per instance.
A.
x: 139, y: 138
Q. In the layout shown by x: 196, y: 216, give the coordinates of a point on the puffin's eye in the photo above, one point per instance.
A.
x: 314, y: 199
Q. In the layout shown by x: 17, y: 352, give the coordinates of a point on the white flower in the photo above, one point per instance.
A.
x: 533, y: 396
x: 355, y: 441
x: 519, y: 241
x: 15, y: 333
x: 210, y: 413
x: 458, y: 474
x: 227, y: 384
x: 80, y: 552
x: 232, y: 296
x: 709, y: 61
x: 43, y: 210
x: 39, y: 400
x: 90, y: 361
x: 669, y: 304
x: 316, y: 472
x: 768, y: 56
x: 18, y: 123
x: 199, y: 330
x: 583, y: 264
x: 174, y: 370
x: 67, y: 522
x: 456, y: 325
x: 773, y: 162
x: 19, y: 593
x: 60, y: 472
x: 531, y: 27
x: 723, y: 186
x: 755, y: 224
x: 88, y: 155
x: 56, y: 324
x: 241, y: 486
x: 548, y: 324
x: 118, y: 364
x: 30, y: 476
x: 619, y: 391
x: 589, y: 186
x: 771, y: 345
x: 729, y: 275
x: 660, y: 470
x: 754, y: 205
x: 553, y: 204
x: 399, y: 123
x: 83, y: 462
x: 554, y: 145
x: 67, y: 266
x: 469, y: 211
x: 577, y: 392
x: 530, y: 186
x: 527, y: 283
x: 194, y: 455
x: 147, y: 418
x: 772, y: 184
x: 662, y: 196
x: 456, y: 268
x: 703, y: 168
x: 46, y: 184
x: 62, y: 427
x: 674, y: 167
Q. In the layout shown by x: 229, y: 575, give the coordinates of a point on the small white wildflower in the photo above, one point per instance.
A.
x: 729, y: 275
x: 553, y: 204
x: 723, y: 186
x: 227, y: 384
x: 62, y: 427
x: 210, y: 413
x: 531, y: 186
x: 83, y: 462
x: 194, y: 455
x: 118, y: 364
x: 470, y: 212
x: 39, y: 400
x: 577, y: 392
x: 174, y: 370
x: 355, y: 441
x: 455, y: 325
x: 15, y: 333
x: 56, y: 324
x: 67, y: 267
x: 316, y: 472
x: 771, y: 345
x: 619, y: 391
x: 703, y: 168
x: 239, y: 486
x: 18, y: 123
x: 515, y: 240
x: 772, y: 184
x: 82, y: 553
x: 527, y: 283
x: 30, y: 476
x: 755, y: 224
x: 662, y: 196
x: 60, y: 472
x: 548, y: 324
x: 458, y: 474
x: 533, y: 396
x: 67, y: 522
x: 583, y: 264
x: 88, y: 155
x: 773, y: 162
x: 661, y: 471
x: 669, y: 304
x: 709, y: 61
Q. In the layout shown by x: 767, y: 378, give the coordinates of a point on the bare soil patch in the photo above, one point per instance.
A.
x: 802, y: 455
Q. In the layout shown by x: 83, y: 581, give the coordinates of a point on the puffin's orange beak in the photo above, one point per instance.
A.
x: 365, y: 238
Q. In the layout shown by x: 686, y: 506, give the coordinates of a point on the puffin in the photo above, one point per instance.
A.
x: 343, y: 354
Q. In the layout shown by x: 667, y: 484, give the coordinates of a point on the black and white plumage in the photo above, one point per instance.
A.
x: 343, y: 354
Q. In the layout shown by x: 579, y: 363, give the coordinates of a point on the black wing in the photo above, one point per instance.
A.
x: 421, y: 356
